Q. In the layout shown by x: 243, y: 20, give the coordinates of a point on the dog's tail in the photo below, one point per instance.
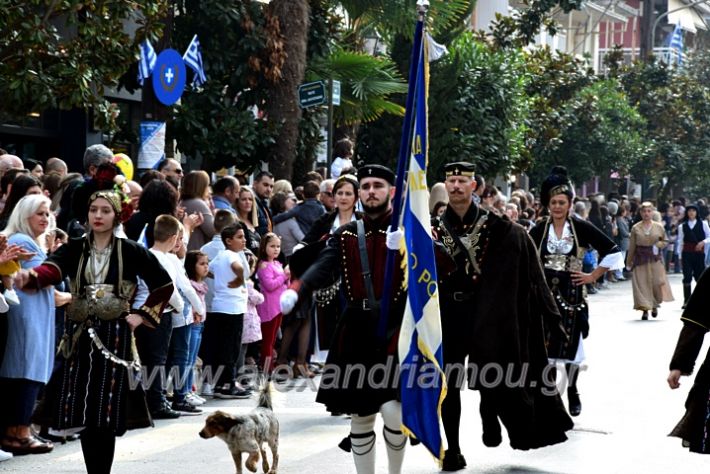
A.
x: 265, y: 394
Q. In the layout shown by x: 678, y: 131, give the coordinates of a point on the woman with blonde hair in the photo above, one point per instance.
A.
x: 650, y: 283
x: 29, y: 354
x: 195, y: 197
x: 249, y: 215
x: 282, y: 186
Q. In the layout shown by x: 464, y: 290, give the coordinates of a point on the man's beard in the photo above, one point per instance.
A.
x: 375, y: 210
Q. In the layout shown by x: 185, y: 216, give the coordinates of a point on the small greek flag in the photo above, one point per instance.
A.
x: 436, y: 50
x: 147, y: 61
x: 676, y: 42
x: 193, y: 59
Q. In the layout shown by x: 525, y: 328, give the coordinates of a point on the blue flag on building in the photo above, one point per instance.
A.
x: 193, y: 59
x: 422, y: 380
x: 676, y: 44
x: 146, y: 62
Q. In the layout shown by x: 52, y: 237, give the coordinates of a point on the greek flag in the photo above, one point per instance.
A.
x: 676, y: 43
x: 422, y: 381
x: 193, y: 59
x: 147, y: 61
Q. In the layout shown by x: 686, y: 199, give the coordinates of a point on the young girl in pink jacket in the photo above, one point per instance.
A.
x: 273, y: 280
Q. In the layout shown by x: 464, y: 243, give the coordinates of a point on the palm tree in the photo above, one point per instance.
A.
x: 366, y: 84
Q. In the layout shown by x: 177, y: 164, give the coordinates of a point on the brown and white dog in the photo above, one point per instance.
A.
x: 248, y: 433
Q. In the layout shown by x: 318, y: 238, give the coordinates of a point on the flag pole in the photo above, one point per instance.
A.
x: 405, y: 150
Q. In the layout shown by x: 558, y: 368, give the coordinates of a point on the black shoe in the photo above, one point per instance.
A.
x: 165, y: 413
x: 186, y: 409
x: 644, y: 316
x: 575, y: 404
x: 592, y: 291
x: 654, y: 313
x: 231, y: 393
x: 453, y: 461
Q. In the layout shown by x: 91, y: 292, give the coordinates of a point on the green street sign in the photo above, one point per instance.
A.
x: 311, y: 94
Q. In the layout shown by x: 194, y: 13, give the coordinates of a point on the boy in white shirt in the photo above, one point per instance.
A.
x: 223, y: 327
x: 153, y: 344
x: 180, y: 338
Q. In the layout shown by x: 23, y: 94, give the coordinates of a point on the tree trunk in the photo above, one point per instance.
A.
x: 282, y: 107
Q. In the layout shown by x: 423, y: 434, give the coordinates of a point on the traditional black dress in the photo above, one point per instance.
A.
x: 330, y: 301
x: 98, y: 384
x: 355, y: 348
x: 560, y: 257
x: 694, y: 427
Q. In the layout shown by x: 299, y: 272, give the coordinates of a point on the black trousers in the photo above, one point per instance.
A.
x: 98, y: 446
x: 693, y: 266
x: 454, y: 341
x: 221, y: 343
x: 153, y: 346
x: 19, y: 397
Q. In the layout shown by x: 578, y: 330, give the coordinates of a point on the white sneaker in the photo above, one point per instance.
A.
x: 4, y: 455
x: 207, y: 390
x: 11, y: 297
x: 192, y: 400
x: 197, y: 397
x: 4, y: 307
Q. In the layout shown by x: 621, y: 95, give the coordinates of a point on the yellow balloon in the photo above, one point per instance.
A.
x: 125, y: 164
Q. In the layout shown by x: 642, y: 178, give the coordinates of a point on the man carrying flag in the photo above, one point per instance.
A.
x: 496, y: 308
x: 360, y: 374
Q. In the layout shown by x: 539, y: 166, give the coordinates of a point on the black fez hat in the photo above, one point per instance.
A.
x: 376, y: 171
x: 460, y: 168
x: 556, y: 183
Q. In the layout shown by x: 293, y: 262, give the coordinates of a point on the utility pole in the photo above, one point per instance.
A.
x: 647, y: 18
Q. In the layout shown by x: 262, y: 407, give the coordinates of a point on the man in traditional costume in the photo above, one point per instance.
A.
x: 357, y: 252
x: 496, y: 308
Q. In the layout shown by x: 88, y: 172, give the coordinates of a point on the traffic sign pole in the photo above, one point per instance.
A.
x: 330, y: 123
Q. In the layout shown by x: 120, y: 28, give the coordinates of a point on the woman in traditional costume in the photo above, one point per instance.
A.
x: 645, y: 257
x: 562, y: 241
x: 97, y: 390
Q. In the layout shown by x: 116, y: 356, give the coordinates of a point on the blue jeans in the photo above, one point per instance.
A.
x: 178, y: 361
x: 195, y: 340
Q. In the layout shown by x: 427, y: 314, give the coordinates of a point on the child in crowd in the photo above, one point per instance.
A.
x: 153, y: 343
x: 252, y: 323
x: 224, y: 324
x: 178, y: 353
x: 273, y: 279
x: 197, y: 267
x: 222, y: 219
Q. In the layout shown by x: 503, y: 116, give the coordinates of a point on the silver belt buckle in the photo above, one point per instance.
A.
x: 366, y: 305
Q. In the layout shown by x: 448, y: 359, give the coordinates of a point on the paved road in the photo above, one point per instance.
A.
x: 628, y: 410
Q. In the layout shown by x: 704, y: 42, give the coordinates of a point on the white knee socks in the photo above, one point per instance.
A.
x: 395, y: 441
x: 362, y: 438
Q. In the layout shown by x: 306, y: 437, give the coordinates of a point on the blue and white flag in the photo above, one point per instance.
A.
x: 147, y: 61
x: 422, y: 381
x: 193, y: 59
x: 676, y: 43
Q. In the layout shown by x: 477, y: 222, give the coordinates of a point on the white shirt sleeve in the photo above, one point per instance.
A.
x: 706, y: 229
x: 679, y: 240
x: 183, y: 283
